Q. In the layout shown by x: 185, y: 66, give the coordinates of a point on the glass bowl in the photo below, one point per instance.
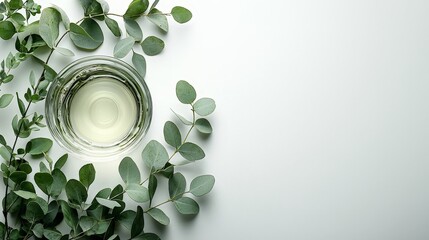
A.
x: 98, y: 107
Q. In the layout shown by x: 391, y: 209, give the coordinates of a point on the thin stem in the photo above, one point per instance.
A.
x: 28, y: 235
x: 167, y: 201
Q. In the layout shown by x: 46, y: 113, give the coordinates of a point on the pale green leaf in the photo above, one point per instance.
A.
x: 191, y: 151
x: 25, y: 194
x: 123, y: 47
x: 204, y: 106
x: 40, y: 146
x: 159, y: 19
x: 155, y: 155
x: 159, y: 216
x: 152, y: 46
x: 49, y: 25
x: 133, y: 29
x: 172, y: 134
x: 185, y: 92
x: 5, y: 100
x: 64, y: 51
x: 108, y: 203
x: 187, y: 206
x: 139, y: 63
x: 87, y: 36
x: 76, y: 192
x: 64, y: 18
x: 181, y: 14
x: 129, y: 171
x: 176, y: 186
x: 113, y: 26
x: 203, y: 126
x: 182, y: 119
x: 87, y: 175
x: 202, y: 185
x: 137, y: 192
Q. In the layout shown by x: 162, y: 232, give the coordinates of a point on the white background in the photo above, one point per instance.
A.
x: 321, y: 130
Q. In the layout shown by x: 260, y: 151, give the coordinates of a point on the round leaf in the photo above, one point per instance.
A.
x: 129, y: 171
x: 159, y: 19
x: 123, y: 47
x: 87, y: 36
x: 203, y: 126
x: 187, y: 206
x: 137, y: 192
x: 33, y: 212
x: 204, y: 106
x: 133, y: 29
x: 76, y: 192
x: 49, y: 25
x: 185, y: 92
x: 87, y: 175
x: 181, y: 14
x: 152, y: 46
x: 44, y: 181
x: 136, y: 8
x: 176, y: 186
x: 202, y: 185
x: 191, y: 151
x: 159, y: 216
x: 40, y: 146
x: 155, y: 155
x: 172, y: 134
x: 18, y: 177
x: 7, y: 30
x: 58, y: 184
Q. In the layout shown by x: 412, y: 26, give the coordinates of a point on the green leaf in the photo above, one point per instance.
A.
x: 49, y: 25
x: 91, y: 7
x: 18, y: 176
x: 25, y: 194
x: 126, y: 218
x: 4, y: 153
x: 204, y: 106
x: 181, y: 14
x: 44, y: 181
x: 64, y: 51
x: 159, y: 216
x: 43, y: 167
x: 70, y: 215
x: 13, y: 203
x: 76, y: 192
x: 172, y: 134
x: 185, y: 92
x: 136, y: 8
x: 58, y: 184
x: 54, y: 216
x: 139, y: 63
x: 159, y: 19
x: 123, y: 47
x: 21, y: 105
x: 38, y: 230
x: 61, y: 161
x: 187, y: 206
x: 87, y: 175
x: 15, y: 4
x: 182, y: 119
x: 148, y: 236
x: 113, y: 26
x: 108, y: 203
x: 88, y: 35
x: 52, y: 234
x: 87, y: 223
x: 138, y: 223
x: 7, y: 30
x: 176, y: 186
x: 152, y: 46
x: 64, y: 18
x: 137, y: 192
x: 27, y: 186
x: 2, y: 140
x: 155, y: 155
x: 117, y: 193
x: 129, y: 171
x: 5, y: 99
x: 40, y: 146
x: 202, y: 185
x: 133, y: 29
x: 203, y: 126
x: 153, y: 184
x: 33, y: 212
x: 191, y: 152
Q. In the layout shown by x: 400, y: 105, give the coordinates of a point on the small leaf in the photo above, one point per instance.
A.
x: 5, y: 100
x: 187, y: 206
x: 58, y: 184
x: 152, y: 46
x: 65, y: 19
x: 44, y: 181
x: 7, y: 30
x: 113, y: 26
x: 185, y: 92
x: 204, y: 106
x: 25, y: 194
x: 129, y: 171
x: 87, y: 223
x: 138, y: 223
x: 176, y: 186
x: 159, y: 216
x: 137, y: 192
x: 133, y: 29
x: 40, y: 146
x: 91, y: 7
x: 172, y: 134
x: 61, y: 161
x: 52, y: 234
x: 70, y: 215
x: 203, y: 126
x: 126, y: 218
x: 49, y: 25
x: 148, y: 236
x: 123, y: 47
x: 87, y: 175
x: 21, y: 105
x: 202, y: 185
x: 155, y: 155
x: 181, y: 14
x: 108, y: 203
x: 33, y: 212
x: 139, y: 63
x: 152, y: 186
x: 38, y: 230
x: 191, y: 152
x: 18, y: 177
x: 182, y: 119
x: 159, y: 19
x: 87, y: 36
x: 136, y: 8
x: 64, y: 51
x: 76, y: 192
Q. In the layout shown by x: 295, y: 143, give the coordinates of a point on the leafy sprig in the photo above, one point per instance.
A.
x: 39, y: 216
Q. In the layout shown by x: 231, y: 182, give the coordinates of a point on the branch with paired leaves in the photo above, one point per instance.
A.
x: 38, y: 217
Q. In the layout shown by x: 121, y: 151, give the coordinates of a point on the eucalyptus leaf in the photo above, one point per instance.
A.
x: 185, y: 92
x: 64, y: 51
x: 152, y: 46
x: 33, y: 212
x: 139, y: 63
x: 25, y: 194
x: 108, y: 203
x: 152, y: 186
x: 137, y: 192
x: 113, y: 26
x: 76, y: 192
x: 136, y: 8
x: 52, y: 234
x: 18, y: 176
x: 5, y: 100
x: 133, y: 29
x: 155, y: 155
x: 64, y: 18
x: 138, y: 223
x: 181, y: 14
x: 61, y: 161
x: 172, y: 134
x: 70, y: 215
x: 91, y: 7
x: 49, y: 25
x: 126, y: 219
x: 7, y: 30
x: 40, y: 146
x: 159, y: 216
x: 176, y: 186
x: 182, y: 119
x: 123, y: 47
x: 159, y: 19
x: 87, y: 175
x: 191, y: 151
x: 204, y: 106
x: 44, y: 181
x: 4, y: 153
x: 129, y: 171
x: 203, y: 126
x: 38, y: 230
x: 88, y: 35
x: 202, y: 185
x: 187, y: 206
x: 87, y: 223
x: 148, y: 236
x: 58, y: 184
